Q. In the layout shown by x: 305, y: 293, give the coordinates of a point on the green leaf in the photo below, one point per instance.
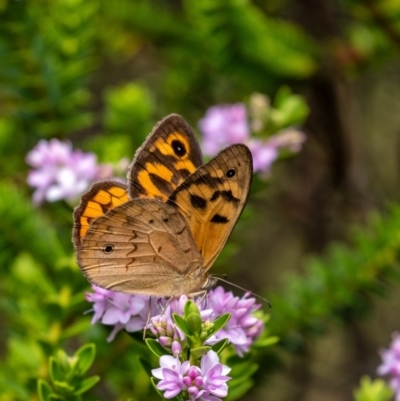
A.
x: 24, y: 227
x: 220, y: 345
x: 145, y: 365
x: 238, y: 31
x: 86, y: 384
x: 55, y: 371
x: 155, y: 347
x: 180, y: 322
x: 200, y: 351
x: 63, y: 362
x: 79, y: 327
x: 289, y: 108
x: 220, y: 322
x: 85, y: 355
x: 153, y: 382
x: 266, y: 342
x: 63, y: 387
x: 186, y: 308
x: 44, y: 390
x: 128, y: 105
x: 241, y: 370
x: 236, y: 392
x: 373, y: 390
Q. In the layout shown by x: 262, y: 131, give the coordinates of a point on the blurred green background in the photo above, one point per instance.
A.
x: 320, y: 238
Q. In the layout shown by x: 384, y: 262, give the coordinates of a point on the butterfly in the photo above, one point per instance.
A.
x: 160, y: 234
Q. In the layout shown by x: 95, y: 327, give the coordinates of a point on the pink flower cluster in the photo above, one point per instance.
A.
x: 163, y: 326
x: 226, y: 125
x: 59, y: 172
x: 223, y: 126
x: 130, y: 312
x: 391, y: 364
x: 123, y: 311
x: 204, y: 383
x: 243, y: 328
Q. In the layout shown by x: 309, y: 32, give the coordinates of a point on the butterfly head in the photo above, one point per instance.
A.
x: 210, y: 283
x: 198, y: 284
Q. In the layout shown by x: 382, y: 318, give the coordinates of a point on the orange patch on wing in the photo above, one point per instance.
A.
x: 161, y: 170
x: 102, y: 202
x: 152, y: 191
x: 185, y: 164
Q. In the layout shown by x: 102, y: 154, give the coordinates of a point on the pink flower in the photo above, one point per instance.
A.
x: 243, y: 328
x: 226, y: 125
x: 123, y: 311
x: 391, y: 364
x: 171, y: 375
x: 214, y: 374
x: 176, y: 306
x: 61, y: 172
x: 267, y: 151
x: 289, y: 138
x: 263, y: 155
x: 101, y: 299
x: 222, y: 126
x: 122, y: 307
x: 204, y: 383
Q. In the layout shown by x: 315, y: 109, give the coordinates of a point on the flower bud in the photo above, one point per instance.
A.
x: 187, y: 381
x: 194, y: 322
x: 165, y: 341
x: 169, y: 330
x: 176, y: 348
x: 193, y: 391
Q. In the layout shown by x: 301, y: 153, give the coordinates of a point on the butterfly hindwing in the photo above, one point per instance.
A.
x: 169, y: 155
x: 100, y: 198
x: 213, y: 198
x: 143, y: 246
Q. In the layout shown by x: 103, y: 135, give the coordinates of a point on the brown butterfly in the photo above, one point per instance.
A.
x: 161, y: 234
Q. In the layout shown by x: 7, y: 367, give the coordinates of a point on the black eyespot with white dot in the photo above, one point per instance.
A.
x: 230, y: 173
x: 151, y: 221
x: 166, y: 220
x: 178, y: 148
x: 108, y: 249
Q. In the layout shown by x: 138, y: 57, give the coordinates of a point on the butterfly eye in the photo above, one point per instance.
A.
x: 230, y: 173
x: 108, y: 249
x: 178, y: 147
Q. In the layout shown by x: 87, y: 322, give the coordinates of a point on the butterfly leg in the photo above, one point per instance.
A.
x: 148, y: 320
x: 167, y: 304
x: 203, y: 297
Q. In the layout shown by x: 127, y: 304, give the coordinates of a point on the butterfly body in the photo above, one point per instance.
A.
x: 160, y: 235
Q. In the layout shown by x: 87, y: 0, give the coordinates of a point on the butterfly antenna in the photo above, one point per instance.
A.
x: 244, y: 289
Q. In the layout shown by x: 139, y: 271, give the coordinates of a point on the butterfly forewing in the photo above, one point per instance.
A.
x: 168, y: 156
x: 101, y: 197
x: 213, y: 198
x: 143, y: 246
